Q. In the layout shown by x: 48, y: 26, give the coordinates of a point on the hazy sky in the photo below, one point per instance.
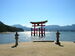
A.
x: 57, y: 12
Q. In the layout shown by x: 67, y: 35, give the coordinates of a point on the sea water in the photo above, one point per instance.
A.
x: 9, y: 37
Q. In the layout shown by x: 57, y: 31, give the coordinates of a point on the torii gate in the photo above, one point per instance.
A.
x: 41, y: 29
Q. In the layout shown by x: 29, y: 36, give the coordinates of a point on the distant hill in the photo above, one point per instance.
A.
x: 61, y: 28
x: 50, y: 27
x: 6, y: 28
x: 23, y: 27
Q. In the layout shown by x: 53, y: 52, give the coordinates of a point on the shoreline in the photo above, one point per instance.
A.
x: 37, y: 41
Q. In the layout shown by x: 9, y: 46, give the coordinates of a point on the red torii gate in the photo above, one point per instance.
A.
x: 41, y: 29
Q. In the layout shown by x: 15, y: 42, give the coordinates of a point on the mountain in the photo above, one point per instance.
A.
x: 61, y: 28
x: 50, y: 27
x: 23, y: 27
x: 6, y: 28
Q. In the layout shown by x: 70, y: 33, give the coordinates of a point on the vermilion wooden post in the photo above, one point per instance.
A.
x: 44, y: 31
x: 41, y: 29
x: 34, y: 29
x: 39, y: 32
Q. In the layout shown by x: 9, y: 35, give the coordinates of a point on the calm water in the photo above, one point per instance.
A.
x: 26, y: 37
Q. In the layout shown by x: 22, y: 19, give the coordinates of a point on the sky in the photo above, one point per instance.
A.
x: 57, y: 12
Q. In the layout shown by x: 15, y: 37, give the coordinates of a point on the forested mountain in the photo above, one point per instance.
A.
x: 6, y: 28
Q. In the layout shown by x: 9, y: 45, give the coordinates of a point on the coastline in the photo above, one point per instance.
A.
x: 38, y: 49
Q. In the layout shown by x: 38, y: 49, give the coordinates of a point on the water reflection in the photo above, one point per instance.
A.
x: 9, y: 37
